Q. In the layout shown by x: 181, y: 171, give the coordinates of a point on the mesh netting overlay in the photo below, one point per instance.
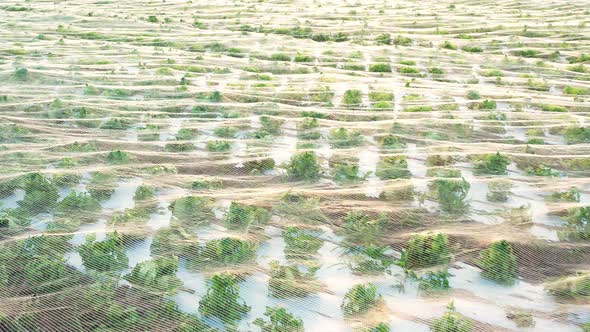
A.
x: 289, y: 166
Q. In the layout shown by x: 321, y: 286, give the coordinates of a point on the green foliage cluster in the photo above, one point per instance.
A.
x: 363, y: 228
x: 218, y: 146
x: 199, y: 25
x: 354, y: 66
x: 380, y: 96
x: 498, y: 262
x: 434, y: 281
x: 346, y: 173
x: 522, y: 318
x: 577, y: 227
x: 582, y: 58
x: 115, y: 124
x: 118, y: 157
x: 498, y: 191
x: 576, y: 135
x: 436, y: 71
x: 301, y: 32
x: 213, y: 96
x: 78, y: 206
x: 323, y: 95
x: 101, y: 185
x: 174, y: 241
x: 493, y: 73
x: 280, y: 321
x: 223, y: 299
x: 452, y: 195
x: 440, y: 160
x: 573, y: 90
x: 427, y: 250
x: 207, y: 184
x: 136, y: 215
x: 370, y: 260
x: 81, y: 147
x: 416, y: 109
x: 160, y: 169
x: 343, y: 138
x: 535, y: 141
x: 280, y: 57
x: 554, y: 108
x: 103, y: 307
x: 532, y: 84
x: 7, y: 187
x: 269, y: 127
x: 41, y: 195
x: 407, y: 70
x: 226, y: 251
x: 179, y: 147
x: 18, y: 217
x: 570, y: 195
x: 407, y: 62
x: 451, y: 321
x: 381, y: 327
x: 303, y: 58
x: 402, y: 41
x: 46, y: 274
x: 185, y: 134
x: 448, y: 45
x: 336, y: 37
x: 259, y: 166
x: 384, y: 38
x: 493, y: 164
x: 380, y: 68
x: 21, y: 74
x: 104, y: 256
x: 573, y: 287
x: 117, y: 93
x: 391, y: 142
x: 158, y: 274
x: 528, y: 53
x: 12, y: 133
x: 301, y: 243
x: 393, y: 167
x: 473, y: 95
x: 352, y: 97
x: 360, y: 299
x: 301, y: 209
x: 442, y: 172
x: 66, y: 179
x: 487, y: 104
x: 307, y: 129
x: 472, y: 49
x: 226, y: 132
x: 191, y: 210
x: 541, y: 170
x: 91, y: 90
x: 289, y: 281
x: 304, y: 166
x: 144, y: 193
x: 36, y: 265
x: 309, y: 123
x: 245, y: 216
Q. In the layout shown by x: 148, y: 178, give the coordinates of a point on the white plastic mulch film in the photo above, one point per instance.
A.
x: 293, y: 165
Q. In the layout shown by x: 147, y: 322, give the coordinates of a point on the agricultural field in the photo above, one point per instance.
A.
x: 294, y: 165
